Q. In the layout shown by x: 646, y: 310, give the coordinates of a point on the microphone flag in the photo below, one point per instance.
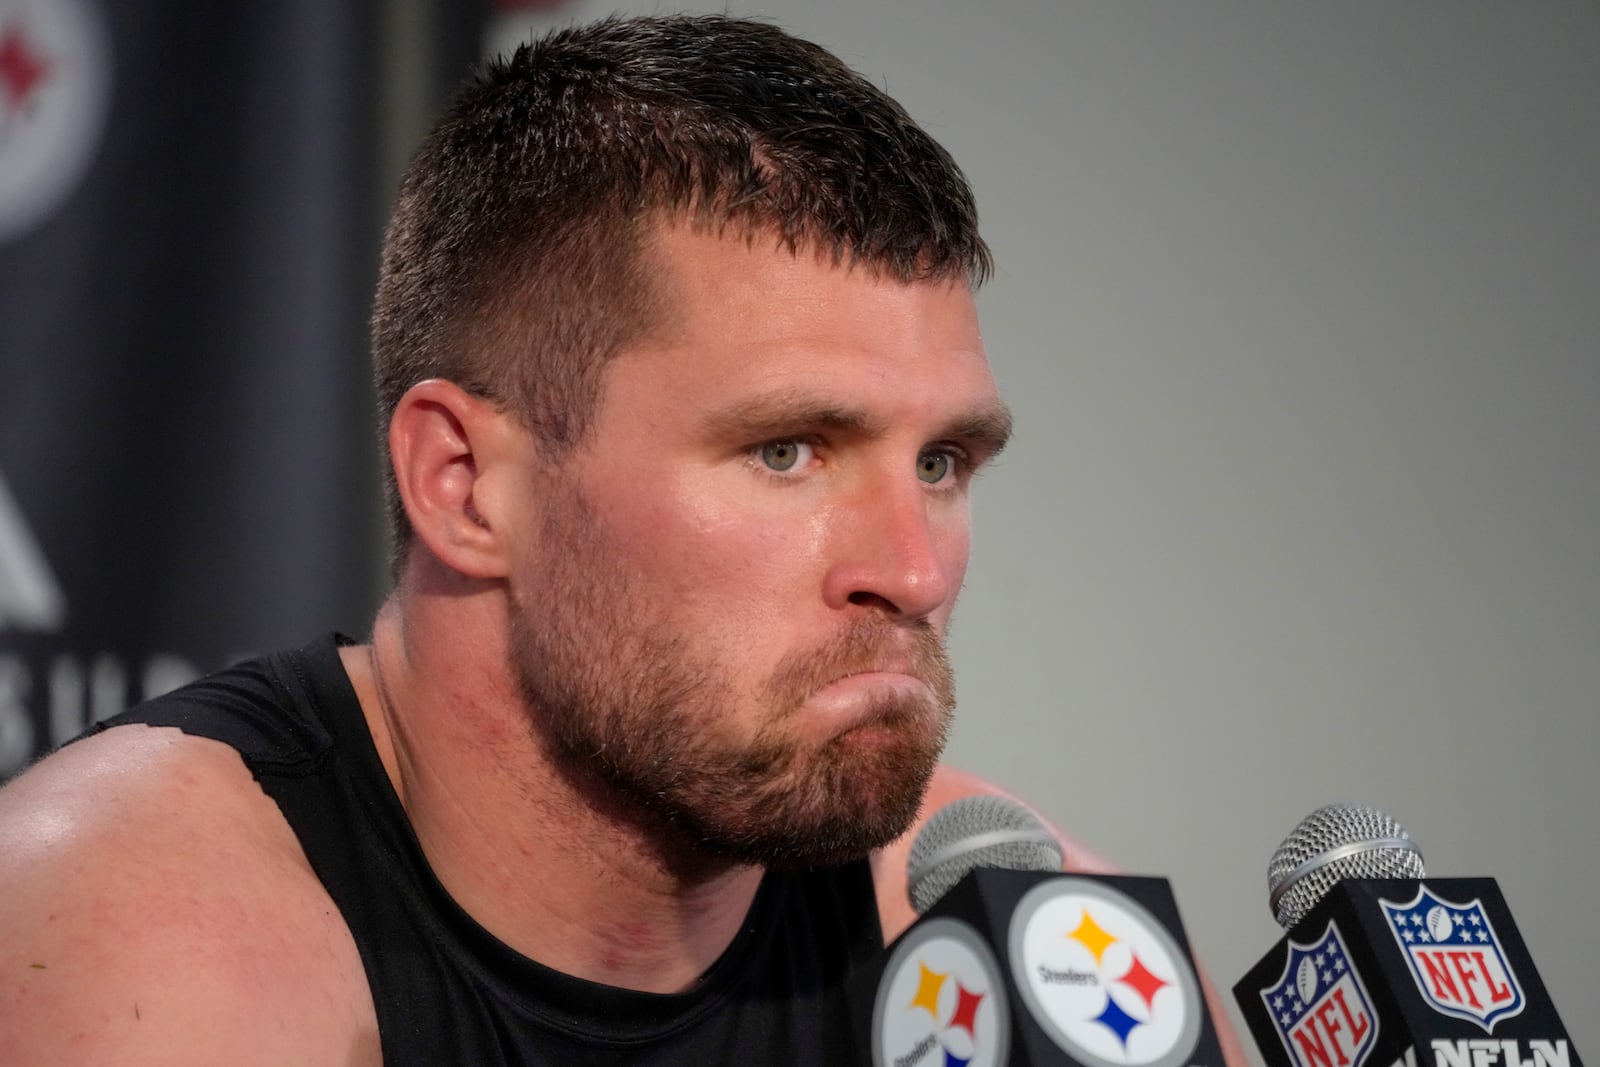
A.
x: 1396, y: 972
x: 1032, y: 968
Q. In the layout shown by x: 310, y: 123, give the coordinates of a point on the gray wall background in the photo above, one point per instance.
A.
x: 1299, y: 312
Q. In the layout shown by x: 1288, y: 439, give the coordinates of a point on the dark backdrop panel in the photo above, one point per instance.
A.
x: 187, y: 457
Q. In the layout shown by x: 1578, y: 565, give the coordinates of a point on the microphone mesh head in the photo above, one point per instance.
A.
x: 976, y: 831
x: 1333, y: 843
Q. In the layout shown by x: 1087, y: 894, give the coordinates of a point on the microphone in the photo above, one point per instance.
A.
x: 1385, y: 966
x: 983, y: 830
x: 1333, y: 843
x: 1014, y: 962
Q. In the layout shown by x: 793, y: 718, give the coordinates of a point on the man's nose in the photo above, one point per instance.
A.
x: 894, y: 550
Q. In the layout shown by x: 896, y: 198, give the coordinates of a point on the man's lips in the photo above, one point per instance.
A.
x: 893, y: 676
x: 862, y: 696
x: 900, y: 667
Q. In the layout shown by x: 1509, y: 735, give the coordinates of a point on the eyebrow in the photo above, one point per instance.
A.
x: 988, y: 430
x: 985, y: 430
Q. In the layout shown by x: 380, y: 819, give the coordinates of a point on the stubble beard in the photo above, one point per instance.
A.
x: 626, y: 702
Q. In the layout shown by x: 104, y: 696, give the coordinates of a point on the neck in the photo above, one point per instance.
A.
x: 551, y: 863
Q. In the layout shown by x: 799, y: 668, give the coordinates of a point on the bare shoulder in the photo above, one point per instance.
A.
x: 949, y: 784
x: 156, y: 908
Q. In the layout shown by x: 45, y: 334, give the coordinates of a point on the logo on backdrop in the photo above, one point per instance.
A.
x: 57, y: 689
x: 1320, y: 1006
x: 941, y: 1002
x: 1104, y: 978
x: 1455, y: 958
x: 30, y: 598
x: 55, y: 90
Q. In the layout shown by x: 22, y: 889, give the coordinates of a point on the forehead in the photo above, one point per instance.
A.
x: 753, y: 318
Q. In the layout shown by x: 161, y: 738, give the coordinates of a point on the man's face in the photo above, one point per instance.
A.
x: 733, y: 605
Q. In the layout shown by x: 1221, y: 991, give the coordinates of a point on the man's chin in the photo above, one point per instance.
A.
x: 814, y: 846
x: 842, y: 817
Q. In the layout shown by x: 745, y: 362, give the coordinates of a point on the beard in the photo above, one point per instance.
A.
x: 627, y: 702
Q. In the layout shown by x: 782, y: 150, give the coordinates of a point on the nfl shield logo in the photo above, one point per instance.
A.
x: 1455, y: 958
x: 1320, y: 1007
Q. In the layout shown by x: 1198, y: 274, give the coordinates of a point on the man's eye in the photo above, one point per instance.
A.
x: 935, y: 467
x: 784, y: 455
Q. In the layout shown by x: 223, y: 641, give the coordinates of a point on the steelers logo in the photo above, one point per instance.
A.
x: 55, y: 90
x: 941, y: 1001
x: 1103, y: 977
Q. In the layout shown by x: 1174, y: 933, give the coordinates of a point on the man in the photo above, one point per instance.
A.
x: 676, y: 349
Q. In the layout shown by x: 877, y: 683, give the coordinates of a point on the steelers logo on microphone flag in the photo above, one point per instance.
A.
x: 1320, y: 1006
x: 941, y: 1002
x: 1455, y: 958
x: 1103, y: 977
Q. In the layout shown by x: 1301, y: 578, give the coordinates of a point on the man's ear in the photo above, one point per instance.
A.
x: 453, y: 454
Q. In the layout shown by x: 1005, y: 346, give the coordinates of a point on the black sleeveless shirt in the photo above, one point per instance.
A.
x: 446, y: 990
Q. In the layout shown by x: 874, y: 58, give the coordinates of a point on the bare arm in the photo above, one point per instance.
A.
x: 155, y: 910
x: 896, y: 913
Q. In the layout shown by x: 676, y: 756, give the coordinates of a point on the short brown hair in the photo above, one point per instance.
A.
x: 512, y: 261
